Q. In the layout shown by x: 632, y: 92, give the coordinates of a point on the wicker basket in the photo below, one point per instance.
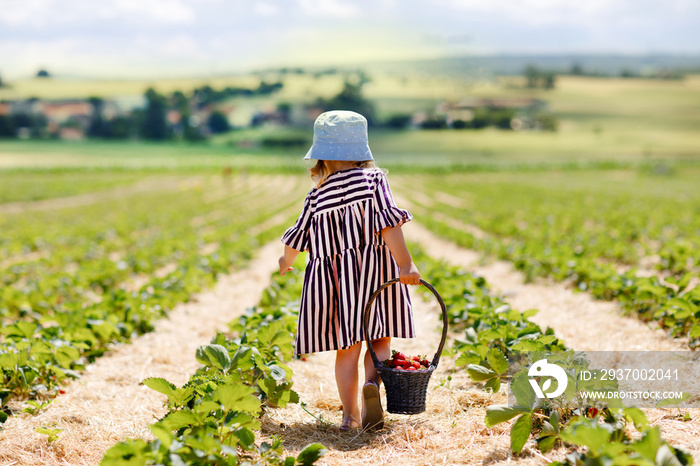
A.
x: 405, y: 390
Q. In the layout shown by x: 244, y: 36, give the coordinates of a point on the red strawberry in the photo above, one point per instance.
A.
x: 399, y: 355
x: 415, y: 358
x: 425, y: 363
x: 592, y: 412
x: 416, y: 364
x: 411, y: 368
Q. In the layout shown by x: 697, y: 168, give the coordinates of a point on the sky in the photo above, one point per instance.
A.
x: 172, y: 38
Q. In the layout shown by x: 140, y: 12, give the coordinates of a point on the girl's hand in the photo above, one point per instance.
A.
x: 409, y: 275
x: 284, y: 265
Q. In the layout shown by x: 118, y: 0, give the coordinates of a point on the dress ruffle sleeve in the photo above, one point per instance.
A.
x: 297, y: 236
x: 387, y: 213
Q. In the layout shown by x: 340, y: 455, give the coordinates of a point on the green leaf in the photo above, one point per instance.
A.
x: 520, y: 432
x: 311, y: 454
x: 206, y: 407
x: 530, y: 312
x: 9, y: 360
x: 163, y: 434
x: 237, y: 398
x: 586, y: 434
x: 637, y: 417
x: 243, y: 359
x: 480, y: 373
x: 214, y: 356
x: 545, y: 444
x: 527, y: 345
x: 493, y: 384
x: 160, y: 385
x: 522, y: 390
x: 129, y: 453
x: 3, y: 416
x: 469, y: 357
x: 648, y: 446
x: 66, y: 355
x: 246, y: 437
x: 694, y: 331
x: 178, y: 419
x: 497, y: 360
x: 498, y: 414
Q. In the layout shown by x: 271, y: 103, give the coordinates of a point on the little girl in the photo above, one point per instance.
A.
x: 352, y: 229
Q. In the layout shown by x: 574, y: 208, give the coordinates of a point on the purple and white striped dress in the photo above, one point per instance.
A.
x: 340, y: 225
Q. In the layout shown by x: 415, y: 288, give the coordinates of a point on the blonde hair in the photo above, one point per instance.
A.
x: 320, y: 172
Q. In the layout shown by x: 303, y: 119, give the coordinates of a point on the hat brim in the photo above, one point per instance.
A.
x: 351, y: 152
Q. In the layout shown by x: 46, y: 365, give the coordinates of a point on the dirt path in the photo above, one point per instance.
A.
x: 583, y: 323
x: 107, y: 404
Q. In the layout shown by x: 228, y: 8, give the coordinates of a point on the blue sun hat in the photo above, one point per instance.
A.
x: 340, y: 135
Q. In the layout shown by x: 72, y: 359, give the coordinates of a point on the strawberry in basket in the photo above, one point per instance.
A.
x: 400, y: 361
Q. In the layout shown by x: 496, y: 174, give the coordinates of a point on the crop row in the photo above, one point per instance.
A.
x: 213, y: 417
x: 23, y: 186
x: 111, y: 269
x: 607, y: 242
x: 496, y: 341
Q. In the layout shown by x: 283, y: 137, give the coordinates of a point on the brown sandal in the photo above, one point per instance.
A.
x: 373, y: 417
x: 349, y: 423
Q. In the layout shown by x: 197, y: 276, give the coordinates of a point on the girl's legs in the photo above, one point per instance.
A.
x: 346, y: 376
x: 382, y: 348
x: 372, y: 414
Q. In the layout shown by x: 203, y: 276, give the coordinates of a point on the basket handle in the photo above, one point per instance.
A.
x: 368, y: 308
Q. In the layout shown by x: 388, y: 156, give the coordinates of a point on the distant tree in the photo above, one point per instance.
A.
x: 351, y: 98
x: 398, y: 121
x: 461, y: 124
x: 284, y: 109
x: 43, y: 74
x: 218, y: 123
x: 502, y: 118
x: 7, y: 127
x: 122, y: 127
x: 537, y: 78
x: 179, y: 102
x: 532, y: 75
x: 434, y: 123
x: 265, y: 88
x: 98, y: 127
x: 154, y: 124
x: 549, y: 80
x: 482, y: 118
x: 577, y: 69
x: 1, y: 84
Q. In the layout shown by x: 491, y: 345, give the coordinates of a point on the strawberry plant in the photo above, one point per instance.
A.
x: 574, y: 234
x: 62, y: 309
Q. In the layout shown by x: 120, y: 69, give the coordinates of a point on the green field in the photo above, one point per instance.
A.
x: 100, y: 239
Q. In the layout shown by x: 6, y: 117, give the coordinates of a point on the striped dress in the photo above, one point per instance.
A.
x: 340, y: 226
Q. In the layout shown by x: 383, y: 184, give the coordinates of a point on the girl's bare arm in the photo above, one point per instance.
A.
x: 287, y: 259
x: 408, y: 272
